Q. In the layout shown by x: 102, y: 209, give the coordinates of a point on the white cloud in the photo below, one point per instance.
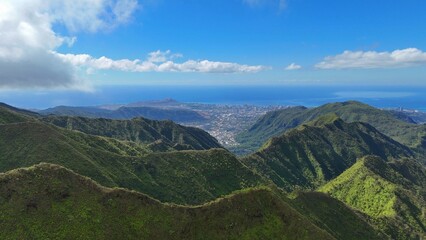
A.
x: 293, y: 66
x: 28, y: 42
x: 159, y: 56
x: 157, y: 62
x: 371, y: 59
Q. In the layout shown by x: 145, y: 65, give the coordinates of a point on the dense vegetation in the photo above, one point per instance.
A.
x: 374, y: 197
x: 182, y: 177
x: 140, y: 130
x: 277, y: 122
x: 335, y: 217
x: 50, y: 202
x: 316, y: 152
x: 378, y: 189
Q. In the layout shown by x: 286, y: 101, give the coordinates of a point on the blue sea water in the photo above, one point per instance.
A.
x: 382, y: 97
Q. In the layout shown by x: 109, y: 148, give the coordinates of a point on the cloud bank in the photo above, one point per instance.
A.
x: 157, y: 62
x: 371, y: 59
x: 27, y: 39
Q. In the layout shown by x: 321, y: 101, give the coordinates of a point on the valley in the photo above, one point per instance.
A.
x: 156, y: 172
x: 224, y: 122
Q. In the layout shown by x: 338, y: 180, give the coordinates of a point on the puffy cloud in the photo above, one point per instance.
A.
x: 293, y: 66
x: 28, y: 44
x: 157, y: 62
x: 27, y: 39
x: 371, y: 59
x: 36, y: 68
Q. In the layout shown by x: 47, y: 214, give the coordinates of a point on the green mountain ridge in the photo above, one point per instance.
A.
x: 376, y: 188
x: 278, y: 122
x: 140, y: 130
x: 9, y: 114
x: 50, y: 202
x: 53, y: 199
x: 314, y: 153
x: 187, y: 177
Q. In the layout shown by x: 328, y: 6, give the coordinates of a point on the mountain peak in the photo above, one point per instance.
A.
x: 327, y: 119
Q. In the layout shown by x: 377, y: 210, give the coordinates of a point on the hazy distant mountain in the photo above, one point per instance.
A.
x: 164, y: 103
x: 154, y: 113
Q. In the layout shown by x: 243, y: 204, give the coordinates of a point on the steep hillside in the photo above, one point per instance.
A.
x: 386, y: 193
x: 140, y: 130
x: 277, y: 122
x: 50, y: 202
x: 187, y: 177
x: 9, y: 114
x: 319, y: 151
x: 335, y: 217
x: 176, y: 114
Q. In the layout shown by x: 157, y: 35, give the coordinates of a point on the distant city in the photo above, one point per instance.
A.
x: 226, y: 121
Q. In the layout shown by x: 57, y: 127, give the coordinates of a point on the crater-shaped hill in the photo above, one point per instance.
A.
x: 50, y: 202
x: 392, y: 194
x: 164, y: 134
x: 278, y: 122
x: 186, y: 177
x: 316, y: 152
x: 155, y: 113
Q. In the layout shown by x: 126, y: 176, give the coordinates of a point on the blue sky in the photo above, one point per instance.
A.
x: 86, y: 44
x: 304, y: 33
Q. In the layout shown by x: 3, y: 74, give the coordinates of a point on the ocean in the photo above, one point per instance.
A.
x: 310, y: 96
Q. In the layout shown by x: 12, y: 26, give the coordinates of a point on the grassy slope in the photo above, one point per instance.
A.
x: 140, y: 130
x: 50, y: 202
x: 188, y: 177
x: 9, y: 114
x: 394, y: 202
x: 319, y: 151
x: 277, y: 122
x: 335, y: 217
